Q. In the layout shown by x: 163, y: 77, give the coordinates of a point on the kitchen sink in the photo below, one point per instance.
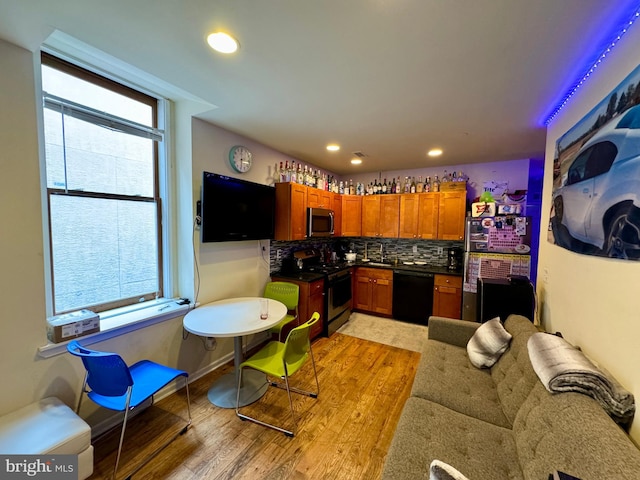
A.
x: 379, y: 264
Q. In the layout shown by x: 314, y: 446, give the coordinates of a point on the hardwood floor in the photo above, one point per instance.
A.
x: 343, y: 434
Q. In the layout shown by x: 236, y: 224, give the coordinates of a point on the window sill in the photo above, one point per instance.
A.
x: 122, y: 321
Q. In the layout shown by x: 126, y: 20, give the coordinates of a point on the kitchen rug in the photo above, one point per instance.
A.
x: 408, y: 336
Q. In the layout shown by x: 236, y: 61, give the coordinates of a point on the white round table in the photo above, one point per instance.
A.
x: 234, y: 317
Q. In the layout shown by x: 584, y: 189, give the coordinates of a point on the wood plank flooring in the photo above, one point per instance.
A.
x: 343, y: 434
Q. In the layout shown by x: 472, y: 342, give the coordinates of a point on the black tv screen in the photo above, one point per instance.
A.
x: 234, y: 209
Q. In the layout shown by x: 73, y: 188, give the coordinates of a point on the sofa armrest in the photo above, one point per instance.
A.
x: 451, y: 331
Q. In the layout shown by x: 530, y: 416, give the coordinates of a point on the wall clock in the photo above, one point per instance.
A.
x: 240, y: 158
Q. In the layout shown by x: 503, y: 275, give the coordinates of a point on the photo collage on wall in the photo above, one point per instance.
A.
x: 595, y: 207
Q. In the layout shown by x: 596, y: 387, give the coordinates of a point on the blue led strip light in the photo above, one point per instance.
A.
x: 610, y: 47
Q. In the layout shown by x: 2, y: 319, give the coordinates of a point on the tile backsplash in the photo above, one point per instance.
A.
x: 434, y: 252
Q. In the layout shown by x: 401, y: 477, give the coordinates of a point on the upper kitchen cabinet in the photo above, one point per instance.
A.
x: 337, y: 210
x: 291, y: 208
x: 451, y: 214
x: 319, y: 198
x: 419, y: 215
x: 351, y: 215
x: 381, y: 215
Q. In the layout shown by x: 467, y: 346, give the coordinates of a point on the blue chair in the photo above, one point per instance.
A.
x: 116, y: 386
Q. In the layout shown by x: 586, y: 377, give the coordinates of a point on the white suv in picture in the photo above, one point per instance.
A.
x: 598, y: 202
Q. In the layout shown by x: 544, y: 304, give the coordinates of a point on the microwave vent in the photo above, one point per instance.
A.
x: 359, y: 154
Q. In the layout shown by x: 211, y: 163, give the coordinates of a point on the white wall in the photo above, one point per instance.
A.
x: 591, y: 300
x: 230, y: 269
x: 226, y: 269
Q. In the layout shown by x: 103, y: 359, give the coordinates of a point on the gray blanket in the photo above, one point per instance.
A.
x: 563, y: 368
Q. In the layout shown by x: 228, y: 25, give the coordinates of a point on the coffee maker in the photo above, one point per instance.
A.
x: 454, y: 259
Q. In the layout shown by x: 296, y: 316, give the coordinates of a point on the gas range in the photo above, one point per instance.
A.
x: 328, y: 269
x: 337, y: 285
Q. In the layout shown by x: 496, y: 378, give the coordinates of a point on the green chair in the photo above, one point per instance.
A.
x: 288, y: 294
x: 277, y: 359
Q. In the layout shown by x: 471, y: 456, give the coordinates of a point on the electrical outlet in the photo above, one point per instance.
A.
x: 440, y: 250
x: 278, y: 254
x: 415, y: 249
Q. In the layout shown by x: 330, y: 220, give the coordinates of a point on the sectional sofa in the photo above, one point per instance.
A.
x: 501, y: 422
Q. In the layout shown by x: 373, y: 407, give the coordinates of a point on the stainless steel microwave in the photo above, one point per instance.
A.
x: 319, y: 222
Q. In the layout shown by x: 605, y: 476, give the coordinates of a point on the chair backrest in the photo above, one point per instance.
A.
x: 107, y: 373
x: 284, y: 292
x: 297, y: 344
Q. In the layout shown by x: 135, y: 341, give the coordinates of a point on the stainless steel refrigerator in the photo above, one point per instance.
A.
x: 494, y: 248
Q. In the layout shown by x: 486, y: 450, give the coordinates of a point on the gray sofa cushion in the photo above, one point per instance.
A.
x: 428, y: 431
x: 446, y: 376
x: 570, y: 432
x: 513, y: 374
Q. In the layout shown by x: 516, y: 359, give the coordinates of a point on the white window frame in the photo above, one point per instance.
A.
x: 122, y: 320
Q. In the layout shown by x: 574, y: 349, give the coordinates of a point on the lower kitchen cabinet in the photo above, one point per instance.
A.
x: 447, y: 296
x: 311, y: 300
x: 373, y: 290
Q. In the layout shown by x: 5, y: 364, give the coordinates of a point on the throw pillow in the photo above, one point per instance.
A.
x: 442, y: 471
x: 488, y: 343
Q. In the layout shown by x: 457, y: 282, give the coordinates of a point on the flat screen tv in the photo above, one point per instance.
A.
x: 234, y: 209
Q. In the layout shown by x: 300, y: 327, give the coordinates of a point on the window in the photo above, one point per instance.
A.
x: 102, y: 145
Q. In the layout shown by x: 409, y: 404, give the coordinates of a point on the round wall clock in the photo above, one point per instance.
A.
x: 240, y: 158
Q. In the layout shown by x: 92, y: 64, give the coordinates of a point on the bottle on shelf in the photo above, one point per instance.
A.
x: 436, y: 184
x: 393, y: 185
x: 427, y: 184
x: 412, y: 186
x: 293, y: 176
x: 419, y: 185
x: 384, y: 187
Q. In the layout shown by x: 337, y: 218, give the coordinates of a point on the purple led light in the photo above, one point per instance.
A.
x: 579, y: 84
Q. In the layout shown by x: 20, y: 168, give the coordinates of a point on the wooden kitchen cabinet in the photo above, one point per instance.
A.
x: 447, y: 296
x: 419, y: 215
x: 451, y: 214
x: 337, y: 211
x: 381, y: 215
x: 311, y: 300
x: 351, y: 215
x: 291, y: 209
x: 319, y: 198
x: 373, y: 290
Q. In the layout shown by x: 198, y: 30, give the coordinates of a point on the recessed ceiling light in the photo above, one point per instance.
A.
x: 222, y: 42
x: 435, y: 152
x: 332, y: 147
x: 356, y: 161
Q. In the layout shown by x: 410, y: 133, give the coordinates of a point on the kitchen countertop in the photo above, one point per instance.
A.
x: 313, y: 276
x: 435, y: 269
x: 302, y: 276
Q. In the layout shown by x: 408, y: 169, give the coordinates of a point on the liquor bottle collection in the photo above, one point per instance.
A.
x: 314, y: 178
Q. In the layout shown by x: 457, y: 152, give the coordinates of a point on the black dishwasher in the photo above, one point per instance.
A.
x: 412, y: 296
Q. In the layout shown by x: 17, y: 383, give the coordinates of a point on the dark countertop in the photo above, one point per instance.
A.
x: 435, y: 269
x: 313, y: 276
x: 302, y: 276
